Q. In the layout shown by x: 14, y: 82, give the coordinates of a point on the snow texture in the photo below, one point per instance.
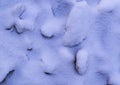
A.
x: 59, y: 42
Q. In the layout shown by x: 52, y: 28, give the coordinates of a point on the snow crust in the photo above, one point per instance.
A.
x: 59, y: 42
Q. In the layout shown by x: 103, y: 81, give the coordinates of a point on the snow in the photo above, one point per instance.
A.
x: 59, y: 42
x: 53, y: 27
x: 82, y: 61
x: 76, y: 24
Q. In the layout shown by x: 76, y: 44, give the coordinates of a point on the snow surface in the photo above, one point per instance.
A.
x: 59, y: 42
